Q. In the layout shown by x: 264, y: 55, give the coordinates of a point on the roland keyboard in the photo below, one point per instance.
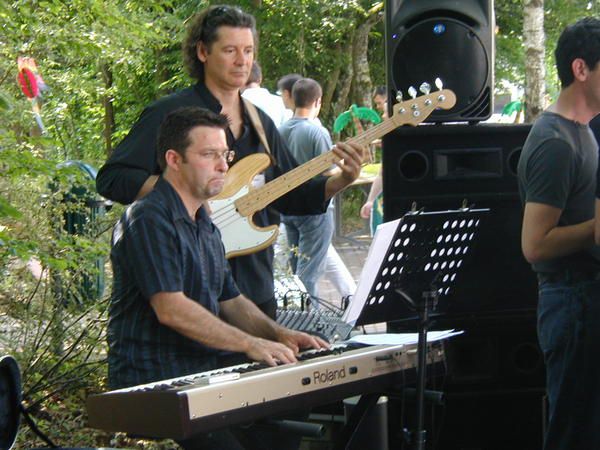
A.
x: 181, y: 407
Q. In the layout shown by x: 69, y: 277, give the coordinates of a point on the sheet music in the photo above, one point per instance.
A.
x: 379, y: 245
x: 401, y: 338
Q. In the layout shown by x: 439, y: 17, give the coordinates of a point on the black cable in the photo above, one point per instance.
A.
x: 304, y: 300
x: 35, y: 428
x: 346, y: 301
x: 286, y: 300
x: 331, y: 307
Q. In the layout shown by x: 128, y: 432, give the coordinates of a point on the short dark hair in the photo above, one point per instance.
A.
x: 305, y: 92
x: 174, y: 132
x: 579, y: 40
x: 204, y: 27
x: 255, y: 74
x: 286, y: 82
x: 380, y: 90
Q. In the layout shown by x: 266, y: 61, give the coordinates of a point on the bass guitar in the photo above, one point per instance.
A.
x: 232, y: 209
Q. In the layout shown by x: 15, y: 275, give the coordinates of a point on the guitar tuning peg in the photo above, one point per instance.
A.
x: 425, y: 88
x: 439, y: 84
x: 399, y: 96
x: 412, y: 92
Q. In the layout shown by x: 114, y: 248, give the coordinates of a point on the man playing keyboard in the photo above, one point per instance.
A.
x: 175, y: 307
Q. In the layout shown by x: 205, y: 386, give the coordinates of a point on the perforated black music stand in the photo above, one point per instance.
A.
x: 424, y: 256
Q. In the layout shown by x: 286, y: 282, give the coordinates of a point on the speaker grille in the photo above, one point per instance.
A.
x: 479, y: 109
x: 453, y: 41
x: 430, y: 50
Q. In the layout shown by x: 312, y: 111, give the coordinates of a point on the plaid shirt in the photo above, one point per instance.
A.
x: 157, y: 247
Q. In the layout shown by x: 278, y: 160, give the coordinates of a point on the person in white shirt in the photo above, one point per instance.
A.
x: 334, y: 268
x: 262, y: 98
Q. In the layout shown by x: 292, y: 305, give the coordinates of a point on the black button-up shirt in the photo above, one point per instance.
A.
x: 156, y: 248
x: 134, y: 160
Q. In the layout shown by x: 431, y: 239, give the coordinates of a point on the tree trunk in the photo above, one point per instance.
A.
x: 535, y: 69
x: 302, y: 52
x: 361, y: 84
x: 162, y: 73
x: 330, y: 84
x: 109, y: 113
x: 345, y: 80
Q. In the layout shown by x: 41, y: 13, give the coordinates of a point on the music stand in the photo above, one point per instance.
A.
x: 424, y: 252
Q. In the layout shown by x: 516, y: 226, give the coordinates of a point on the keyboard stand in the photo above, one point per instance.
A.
x: 359, y: 412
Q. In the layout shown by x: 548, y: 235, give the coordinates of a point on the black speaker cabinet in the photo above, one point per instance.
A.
x: 442, y: 167
x: 494, y: 387
x: 452, y: 40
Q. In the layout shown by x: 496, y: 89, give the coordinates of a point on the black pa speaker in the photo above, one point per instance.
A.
x: 442, y: 167
x: 490, y: 370
x: 446, y: 39
x: 494, y: 387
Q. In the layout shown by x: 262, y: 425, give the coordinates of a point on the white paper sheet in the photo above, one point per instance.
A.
x: 401, y: 338
x: 379, y: 245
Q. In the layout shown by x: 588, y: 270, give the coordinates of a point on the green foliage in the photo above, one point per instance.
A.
x: 377, y: 55
x: 302, y: 36
x: 60, y: 359
x: 354, y: 198
x: 510, y: 52
x: 309, y: 37
x: 52, y: 318
x: 557, y: 15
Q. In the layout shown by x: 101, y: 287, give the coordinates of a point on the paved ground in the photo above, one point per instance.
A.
x: 353, y: 251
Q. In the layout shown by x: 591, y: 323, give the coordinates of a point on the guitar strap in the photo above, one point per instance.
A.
x: 258, y: 127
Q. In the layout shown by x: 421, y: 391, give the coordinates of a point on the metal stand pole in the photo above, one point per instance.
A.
x: 420, y: 434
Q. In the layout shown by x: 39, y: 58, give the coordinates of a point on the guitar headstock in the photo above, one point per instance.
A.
x: 417, y: 109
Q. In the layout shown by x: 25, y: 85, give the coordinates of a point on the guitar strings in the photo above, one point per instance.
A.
x: 227, y: 215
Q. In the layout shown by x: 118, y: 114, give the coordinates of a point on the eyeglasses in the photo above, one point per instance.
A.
x: 215, y: 155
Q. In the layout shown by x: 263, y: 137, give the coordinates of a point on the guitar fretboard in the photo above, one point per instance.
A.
x: 259, y: 198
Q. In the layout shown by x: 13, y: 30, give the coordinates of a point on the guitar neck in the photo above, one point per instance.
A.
x: 263, y: 196
x: 410, y: 112
x: 375, y: 132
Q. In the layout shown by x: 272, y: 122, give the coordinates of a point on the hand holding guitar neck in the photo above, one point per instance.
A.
x: 351, y: 156
x: 233, y: 208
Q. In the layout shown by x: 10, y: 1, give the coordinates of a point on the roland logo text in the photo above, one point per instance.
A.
x: 328, y: 376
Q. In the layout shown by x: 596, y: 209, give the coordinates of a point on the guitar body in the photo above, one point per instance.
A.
x: 239, y: 234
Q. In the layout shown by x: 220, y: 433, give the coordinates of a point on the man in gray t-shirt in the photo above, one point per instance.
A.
x: 557, y: 185
x: 557, y: 168
x: 308, y: 236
